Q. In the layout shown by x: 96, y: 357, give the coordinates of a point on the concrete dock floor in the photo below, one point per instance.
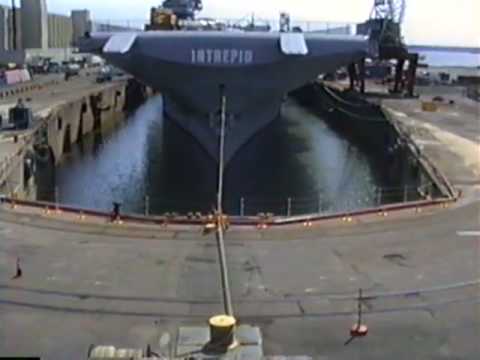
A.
x: 79, y: 288
x: 87, y: 284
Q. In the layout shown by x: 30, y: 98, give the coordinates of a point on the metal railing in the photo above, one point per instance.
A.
x: 260, y: 220
x: 327, y: 27
x: 318, y: 203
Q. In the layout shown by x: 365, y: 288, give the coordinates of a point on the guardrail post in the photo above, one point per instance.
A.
x: 147, y: 205
x: 242, y: 207
x: 379, y: 196
x: 57, y: 199
x: 289, y: 207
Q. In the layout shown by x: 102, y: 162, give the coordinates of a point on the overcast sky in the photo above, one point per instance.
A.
x: 436, y: 22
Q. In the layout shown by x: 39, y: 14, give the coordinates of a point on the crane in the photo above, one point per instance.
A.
x: 386, y: 27
x: 393, y: 10
x: 385, y: 31
x: 386, y: 21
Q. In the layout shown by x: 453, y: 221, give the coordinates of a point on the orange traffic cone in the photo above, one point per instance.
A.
x: 358, y: 330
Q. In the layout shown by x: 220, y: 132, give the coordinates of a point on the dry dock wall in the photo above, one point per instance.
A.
x: 55, y: 129
x: 371, y: 129
x: 17, y: 166
x: 68, y: 123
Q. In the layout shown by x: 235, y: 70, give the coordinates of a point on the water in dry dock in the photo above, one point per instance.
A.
x: 297, y: 156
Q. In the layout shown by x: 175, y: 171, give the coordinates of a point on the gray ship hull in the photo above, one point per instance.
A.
x: 190, y: 68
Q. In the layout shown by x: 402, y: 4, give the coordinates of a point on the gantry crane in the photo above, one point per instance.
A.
x: 385, y: 23
x: 385, y: 30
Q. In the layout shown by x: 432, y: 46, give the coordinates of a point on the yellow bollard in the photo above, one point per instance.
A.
x: 222, y: 333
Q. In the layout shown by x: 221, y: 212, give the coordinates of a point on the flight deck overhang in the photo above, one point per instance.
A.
x: 223, y: 49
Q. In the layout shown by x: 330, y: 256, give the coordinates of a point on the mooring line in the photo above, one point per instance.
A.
x: 227, y: 298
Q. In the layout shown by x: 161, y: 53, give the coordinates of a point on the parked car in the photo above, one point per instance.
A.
x: 54, y: 68
x: 105, y: 74
x: 72, y: 69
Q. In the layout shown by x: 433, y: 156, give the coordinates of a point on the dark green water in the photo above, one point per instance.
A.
x: 297, y: 156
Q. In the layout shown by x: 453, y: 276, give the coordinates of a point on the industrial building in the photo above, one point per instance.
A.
x: 6, y: 29
x: 82, y: 23
x: 38, y: 31
x: 60, y: 31
x: 34, y: 24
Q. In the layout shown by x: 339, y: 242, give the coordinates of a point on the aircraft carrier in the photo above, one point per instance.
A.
x: 253, y: 70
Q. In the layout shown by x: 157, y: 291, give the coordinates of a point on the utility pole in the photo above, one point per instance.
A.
x: 14, y: 25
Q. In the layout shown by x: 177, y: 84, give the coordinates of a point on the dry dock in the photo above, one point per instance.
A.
x: 88, y: 281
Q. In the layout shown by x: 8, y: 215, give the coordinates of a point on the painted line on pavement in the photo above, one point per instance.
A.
x: 468, y: 233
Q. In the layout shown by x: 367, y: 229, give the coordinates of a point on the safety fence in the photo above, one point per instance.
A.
x: 319, y: 203
x: 260, y: 220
